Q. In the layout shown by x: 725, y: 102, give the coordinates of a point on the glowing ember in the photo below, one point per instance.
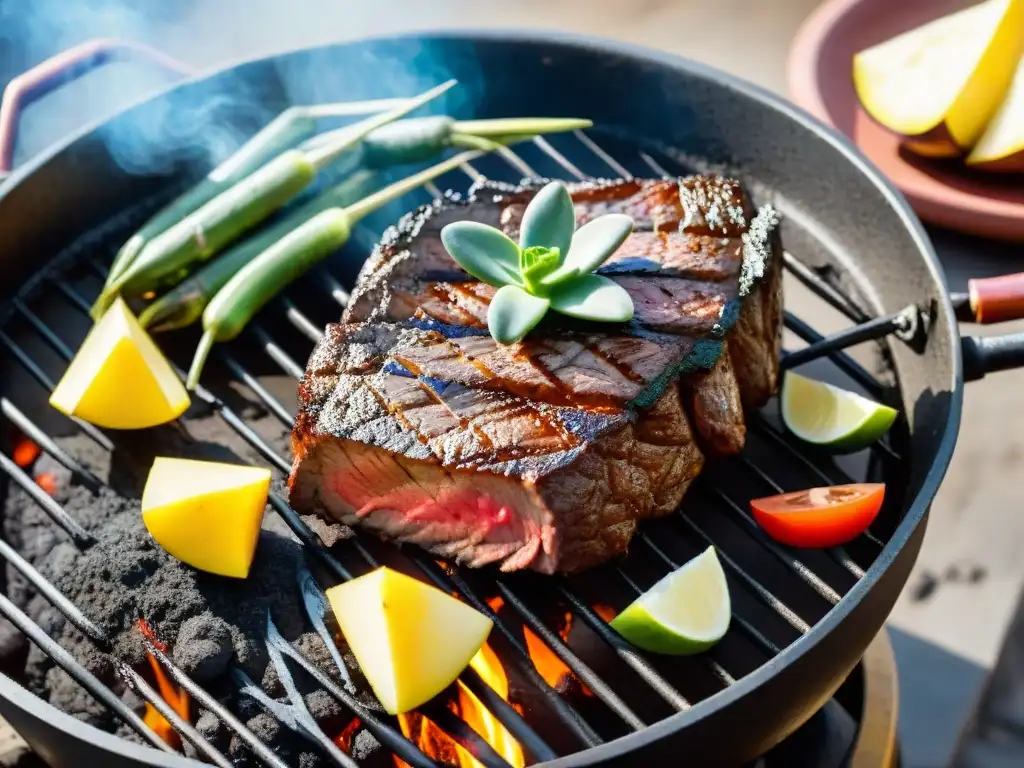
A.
x: 436, y: 744
x: 25, y: 452
x: 606, y: 612
x: 48, y: 482
x: 344, y: 739
x: 169, y: 692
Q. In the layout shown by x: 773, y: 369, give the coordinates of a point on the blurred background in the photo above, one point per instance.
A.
x: 956, y: 627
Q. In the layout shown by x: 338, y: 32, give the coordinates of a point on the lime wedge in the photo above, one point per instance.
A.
x: 832, y: 417
x: 686, y: 612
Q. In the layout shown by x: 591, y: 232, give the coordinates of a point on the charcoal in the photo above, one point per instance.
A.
x: 203, y: 647
x: 208, y: 623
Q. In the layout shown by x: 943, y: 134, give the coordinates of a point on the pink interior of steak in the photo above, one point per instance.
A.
x: 572, y: 518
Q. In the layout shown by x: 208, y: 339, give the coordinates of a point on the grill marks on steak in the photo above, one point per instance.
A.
x: 416, y: 425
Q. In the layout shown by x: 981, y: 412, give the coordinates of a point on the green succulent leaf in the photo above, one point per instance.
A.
x: 535, y: 263
x: 597, y: 240
x: 591, y: 247
x: 593, y: 297
x: 549, y: 220
x: 514, y: 313
x: 488, y: 254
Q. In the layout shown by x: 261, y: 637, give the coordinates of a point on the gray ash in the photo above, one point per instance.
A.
x: 209, y: 623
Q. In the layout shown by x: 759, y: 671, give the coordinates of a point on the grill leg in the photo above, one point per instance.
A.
x: 877, y: 745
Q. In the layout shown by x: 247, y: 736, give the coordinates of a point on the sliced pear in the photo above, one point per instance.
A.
x: 206, y: 514
x: 1001, y: 147
x: 411, y: 639
x: 940, y: 84
x: 119, y: 379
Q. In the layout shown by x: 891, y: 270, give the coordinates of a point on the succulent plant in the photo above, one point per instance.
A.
x: 551, y: 267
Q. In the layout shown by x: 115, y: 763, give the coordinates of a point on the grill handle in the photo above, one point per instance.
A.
x: 988, y: 354
x: 63, y: 68
x: 992, y: 299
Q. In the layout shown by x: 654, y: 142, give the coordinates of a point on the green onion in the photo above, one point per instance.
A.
x: 216, y: 223
x: 184, y: 304
x: 292, y: 126
x: 261, y: 279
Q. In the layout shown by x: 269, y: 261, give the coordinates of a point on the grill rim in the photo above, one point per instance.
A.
x: 915, y: 513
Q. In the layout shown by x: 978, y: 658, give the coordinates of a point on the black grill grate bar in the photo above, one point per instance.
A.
x: 337, y: 291
x: 838, y: 554
x: 71, y: 611
x: 309, y: 539
x: 655, y: 166
x: 276, y: 353
x: 48, y: 384
x: 823, y: 290
x: 52, y: 339
x: 586, y: 675
x: 180, y: 724
x: 300, y: 321
x: 808, y: 576
x: 745, y: 626
x: 545, y: 146
x: 842, y: 360
x: 197, y: 692
x: 276, y: 406
x: 237, y: 423
x: 78, y: 673
x: 870, y: 330
x: 52, y: 509
x: 46, y: 443
x: 596, y: 149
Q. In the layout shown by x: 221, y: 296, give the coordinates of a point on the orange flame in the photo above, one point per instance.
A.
x: 177, y: 697
x: 436, y: 744
x: 548, y: 665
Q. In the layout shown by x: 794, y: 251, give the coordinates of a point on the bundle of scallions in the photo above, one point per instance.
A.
x: 232, y: 213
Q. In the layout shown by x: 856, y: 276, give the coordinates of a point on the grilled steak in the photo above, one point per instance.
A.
x: 415, y: 424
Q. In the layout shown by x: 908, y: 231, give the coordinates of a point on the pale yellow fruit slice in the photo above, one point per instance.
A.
x: 118, y: 379
x: 940, y: 84
x: 1001, y: 147
x: 411, y: 639
x: 206, y: 514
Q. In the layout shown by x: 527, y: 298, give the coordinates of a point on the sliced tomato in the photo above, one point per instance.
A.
x: 819, y: 517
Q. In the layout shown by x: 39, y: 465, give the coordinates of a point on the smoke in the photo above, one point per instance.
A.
x: 207, y: 122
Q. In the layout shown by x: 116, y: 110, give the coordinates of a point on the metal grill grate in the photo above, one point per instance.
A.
x: 764, y: 622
